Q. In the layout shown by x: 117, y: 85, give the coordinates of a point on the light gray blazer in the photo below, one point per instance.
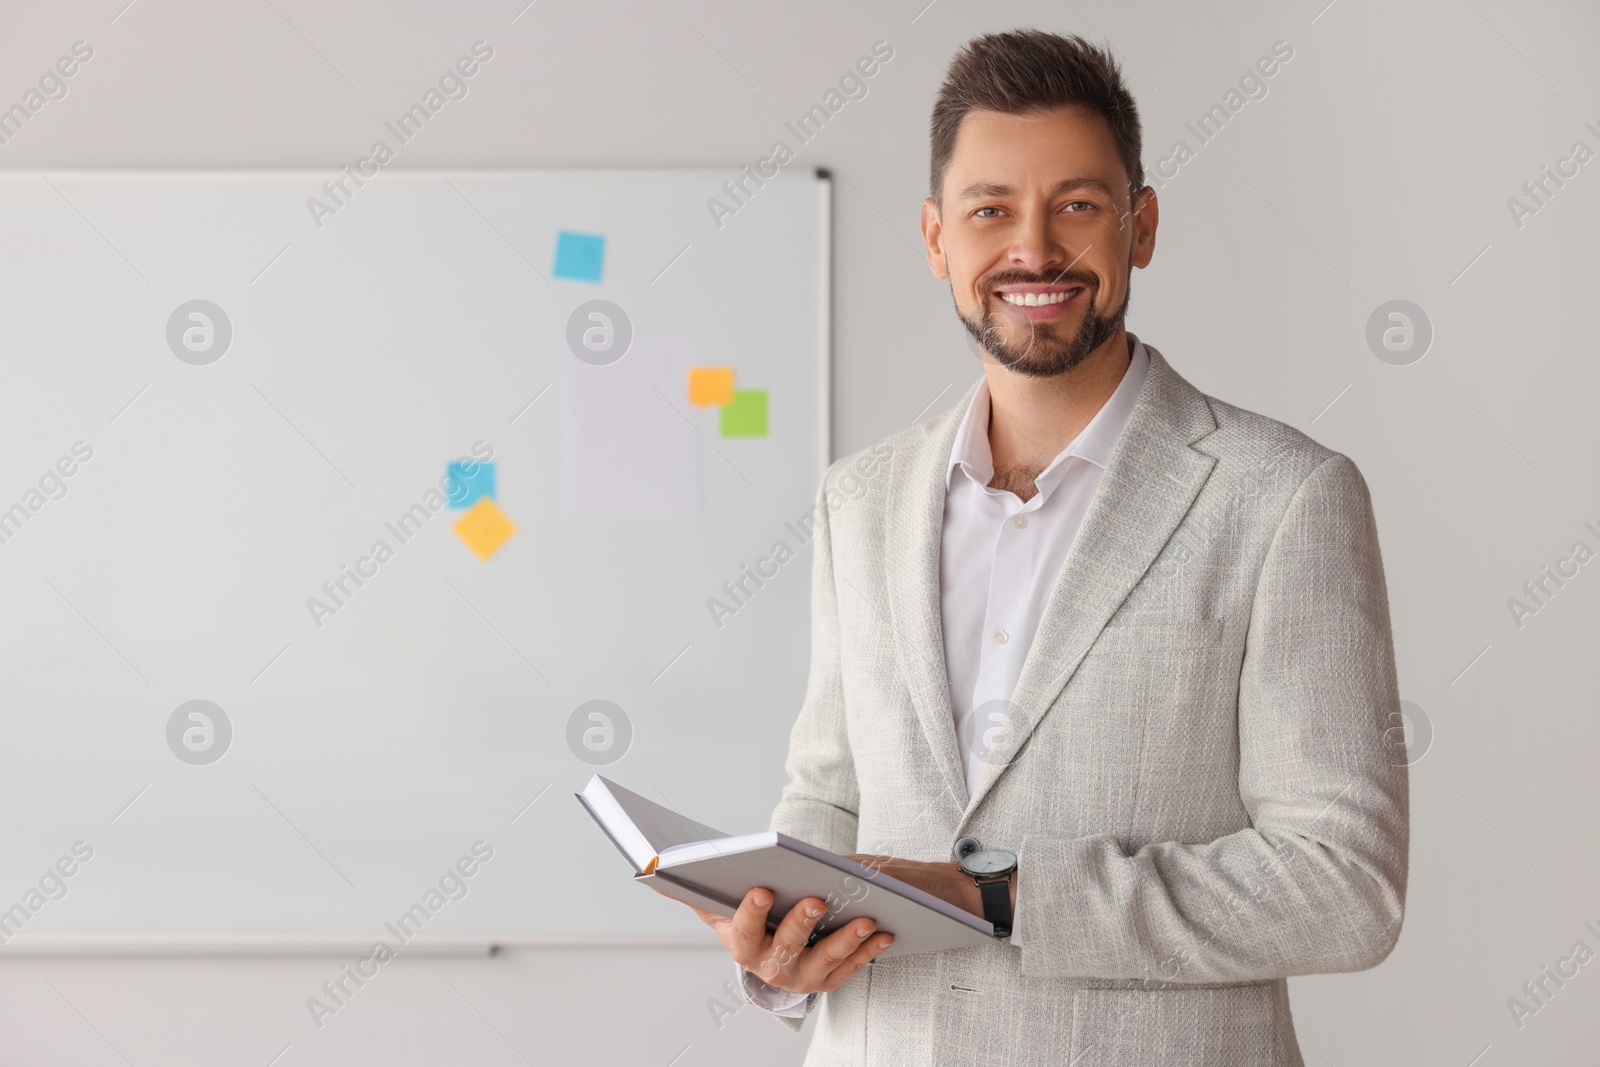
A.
x: 1201, y: 774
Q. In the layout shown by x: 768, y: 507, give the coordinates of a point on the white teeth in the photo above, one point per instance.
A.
x: 1033, y: 300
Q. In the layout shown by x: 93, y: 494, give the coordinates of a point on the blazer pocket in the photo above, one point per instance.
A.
x: 1232, y: 1025
x: 1132, y: 636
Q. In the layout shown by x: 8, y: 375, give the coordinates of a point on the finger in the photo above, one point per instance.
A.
x: 821, y: 958
x: 871, y: 948
x: 746, y: 934
x: 831, y: 951
x: 789, y: 939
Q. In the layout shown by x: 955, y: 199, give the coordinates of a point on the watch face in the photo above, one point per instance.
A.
x: 989, y: 861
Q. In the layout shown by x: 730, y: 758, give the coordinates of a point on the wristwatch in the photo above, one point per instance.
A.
x: 991, y: 870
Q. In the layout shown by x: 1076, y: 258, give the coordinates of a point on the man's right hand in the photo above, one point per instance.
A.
x: 782, y: 959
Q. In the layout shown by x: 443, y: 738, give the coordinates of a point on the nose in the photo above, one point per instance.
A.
x: 1037, y: 247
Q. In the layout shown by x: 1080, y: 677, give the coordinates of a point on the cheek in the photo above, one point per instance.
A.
x: 1113, y: 272
x: 969, y: 297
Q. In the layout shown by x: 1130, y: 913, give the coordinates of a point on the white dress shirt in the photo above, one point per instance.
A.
x: 999, y: 557
x: 998, y: 560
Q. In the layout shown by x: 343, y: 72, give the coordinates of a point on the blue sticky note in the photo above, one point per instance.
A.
x: 468, y: 482
x: 579, y: 256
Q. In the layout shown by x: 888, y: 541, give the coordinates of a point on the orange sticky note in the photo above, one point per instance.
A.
x: 484, y: 528
x: 710, y: 386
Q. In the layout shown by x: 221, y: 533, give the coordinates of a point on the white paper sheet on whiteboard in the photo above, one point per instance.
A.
x: 629, y: 448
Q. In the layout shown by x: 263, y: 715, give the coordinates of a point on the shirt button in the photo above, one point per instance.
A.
x: 1001, y: 637
x: 1020, y: 521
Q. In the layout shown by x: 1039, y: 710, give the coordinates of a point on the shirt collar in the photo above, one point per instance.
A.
x: 970, y: 450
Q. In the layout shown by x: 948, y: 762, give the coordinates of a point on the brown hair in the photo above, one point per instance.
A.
x: 1027, y: 71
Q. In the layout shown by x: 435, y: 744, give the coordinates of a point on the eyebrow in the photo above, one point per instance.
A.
x: 984, y: 190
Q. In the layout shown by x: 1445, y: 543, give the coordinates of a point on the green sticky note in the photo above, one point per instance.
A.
x: 747, y: 415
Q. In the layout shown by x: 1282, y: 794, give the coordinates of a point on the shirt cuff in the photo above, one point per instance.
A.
x: 770, y: 998
x: 1016, y: 918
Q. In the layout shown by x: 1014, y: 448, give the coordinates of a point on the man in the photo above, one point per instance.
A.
x: 1091, y: 616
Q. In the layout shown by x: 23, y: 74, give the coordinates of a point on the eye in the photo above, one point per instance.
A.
x: 1083, y: 203
x: 980, y: 212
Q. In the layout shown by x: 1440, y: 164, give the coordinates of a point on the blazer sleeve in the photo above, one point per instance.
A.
x: 1317, y: 882
x: 821, y: 799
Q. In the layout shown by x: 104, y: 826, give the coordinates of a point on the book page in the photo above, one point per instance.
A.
x: 641, y: 828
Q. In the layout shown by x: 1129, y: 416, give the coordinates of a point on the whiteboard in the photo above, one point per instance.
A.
x: 203, y: 487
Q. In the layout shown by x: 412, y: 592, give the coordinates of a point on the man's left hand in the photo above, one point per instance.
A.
x: 944, y: 880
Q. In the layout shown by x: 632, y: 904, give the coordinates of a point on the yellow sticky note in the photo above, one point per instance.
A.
x: 484, y: 528
x: 710, y: 386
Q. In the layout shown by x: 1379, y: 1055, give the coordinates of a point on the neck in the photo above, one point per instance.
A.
x: 1032, y: 419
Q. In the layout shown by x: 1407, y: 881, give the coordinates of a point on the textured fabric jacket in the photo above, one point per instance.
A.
x: 1202, y: 772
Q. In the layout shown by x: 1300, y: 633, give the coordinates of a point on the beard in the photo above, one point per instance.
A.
x: 1048, y: 350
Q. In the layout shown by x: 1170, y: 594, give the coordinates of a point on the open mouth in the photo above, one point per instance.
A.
x: 1039, y: 299
x: 1047, y: 299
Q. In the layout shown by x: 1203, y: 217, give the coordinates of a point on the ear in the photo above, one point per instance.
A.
x: 1146, y: 215
x: 933, y: 240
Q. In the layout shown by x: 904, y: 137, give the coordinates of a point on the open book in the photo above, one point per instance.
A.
x: 698, y: 865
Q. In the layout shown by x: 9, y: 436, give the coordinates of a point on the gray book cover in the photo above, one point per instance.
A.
x: 700, y: 866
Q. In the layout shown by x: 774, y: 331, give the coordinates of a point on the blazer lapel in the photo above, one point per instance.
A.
x: 1149, y: 483
x: 915, y: 532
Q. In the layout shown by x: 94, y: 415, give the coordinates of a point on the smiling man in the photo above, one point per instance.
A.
x: 1102, y: 658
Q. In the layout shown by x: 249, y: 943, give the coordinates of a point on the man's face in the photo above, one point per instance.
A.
x: 1038, y: 236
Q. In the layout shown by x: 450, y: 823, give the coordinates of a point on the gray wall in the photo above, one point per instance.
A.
x: 1378, y: 166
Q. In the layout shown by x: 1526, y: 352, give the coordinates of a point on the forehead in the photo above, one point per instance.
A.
x: 1039, y: 146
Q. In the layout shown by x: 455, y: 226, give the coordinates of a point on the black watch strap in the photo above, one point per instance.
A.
x: 997, y: 904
